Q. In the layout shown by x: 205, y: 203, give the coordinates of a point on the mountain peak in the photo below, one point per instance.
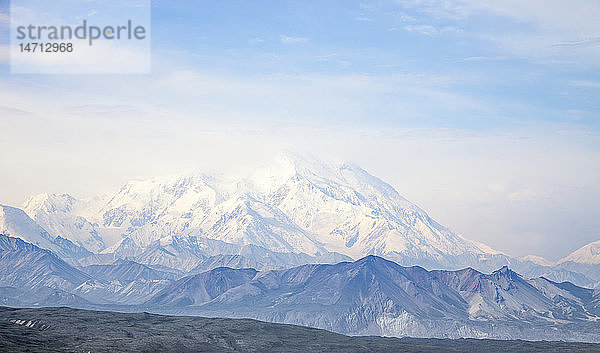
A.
x: 52, y: 202
x: 287, y: 165
x: 297, y: 204
x: 503, y: 269
x: 15, y: 222
x: 538, y: 260
x: 506, y: 273
x: 587, y: 254
x: 8, y: 243
x: 373, y: 260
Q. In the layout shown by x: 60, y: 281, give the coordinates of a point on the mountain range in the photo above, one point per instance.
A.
x: 295, y: 211
x: 299, y: 241
x: 370, y: 296
x: 374, y: 296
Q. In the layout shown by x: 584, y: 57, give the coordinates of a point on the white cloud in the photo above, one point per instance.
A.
x: 256, y: 40
x: 427, y: 30
x: 524, y: 195
x: 484, y: 58
x: 587, y: 84
x: 404, y: 17
x: 104, y: 110
x: 13, y: 111
x: 430, y: 30
x: 291, y: 40
x: 579, y: 43
x: 530, y: 29
x: 575, y: 14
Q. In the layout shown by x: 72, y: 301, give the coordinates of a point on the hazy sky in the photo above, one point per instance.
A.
x: 484, y: 113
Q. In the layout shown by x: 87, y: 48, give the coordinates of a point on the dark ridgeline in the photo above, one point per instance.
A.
x: 72, y: 330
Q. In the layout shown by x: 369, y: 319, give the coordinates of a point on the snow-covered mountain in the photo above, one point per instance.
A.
x: 588, y: 254
x: 313, y: 211
x: 296, y: 205
x: 16, y: 222
x: 59, y: 215
x: 584, y: 260
x: 538, y: 260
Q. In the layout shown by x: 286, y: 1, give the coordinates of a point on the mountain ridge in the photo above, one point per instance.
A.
x: 310, y: 210
x: 296, y: 205
x: 371, y: 295
x: 376, y: 296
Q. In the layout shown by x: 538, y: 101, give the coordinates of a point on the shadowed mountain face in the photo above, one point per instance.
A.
x: 505, y: 294
x: 126, y: 271
x: 30, y: 275
x: 26, y: 266
x: 369, y: 296
x: 377, y: 296
x: 202, y: 288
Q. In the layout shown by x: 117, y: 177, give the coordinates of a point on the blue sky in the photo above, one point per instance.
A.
x: 485, y: 113
x: 521, y: 69
x: 458, y: 64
